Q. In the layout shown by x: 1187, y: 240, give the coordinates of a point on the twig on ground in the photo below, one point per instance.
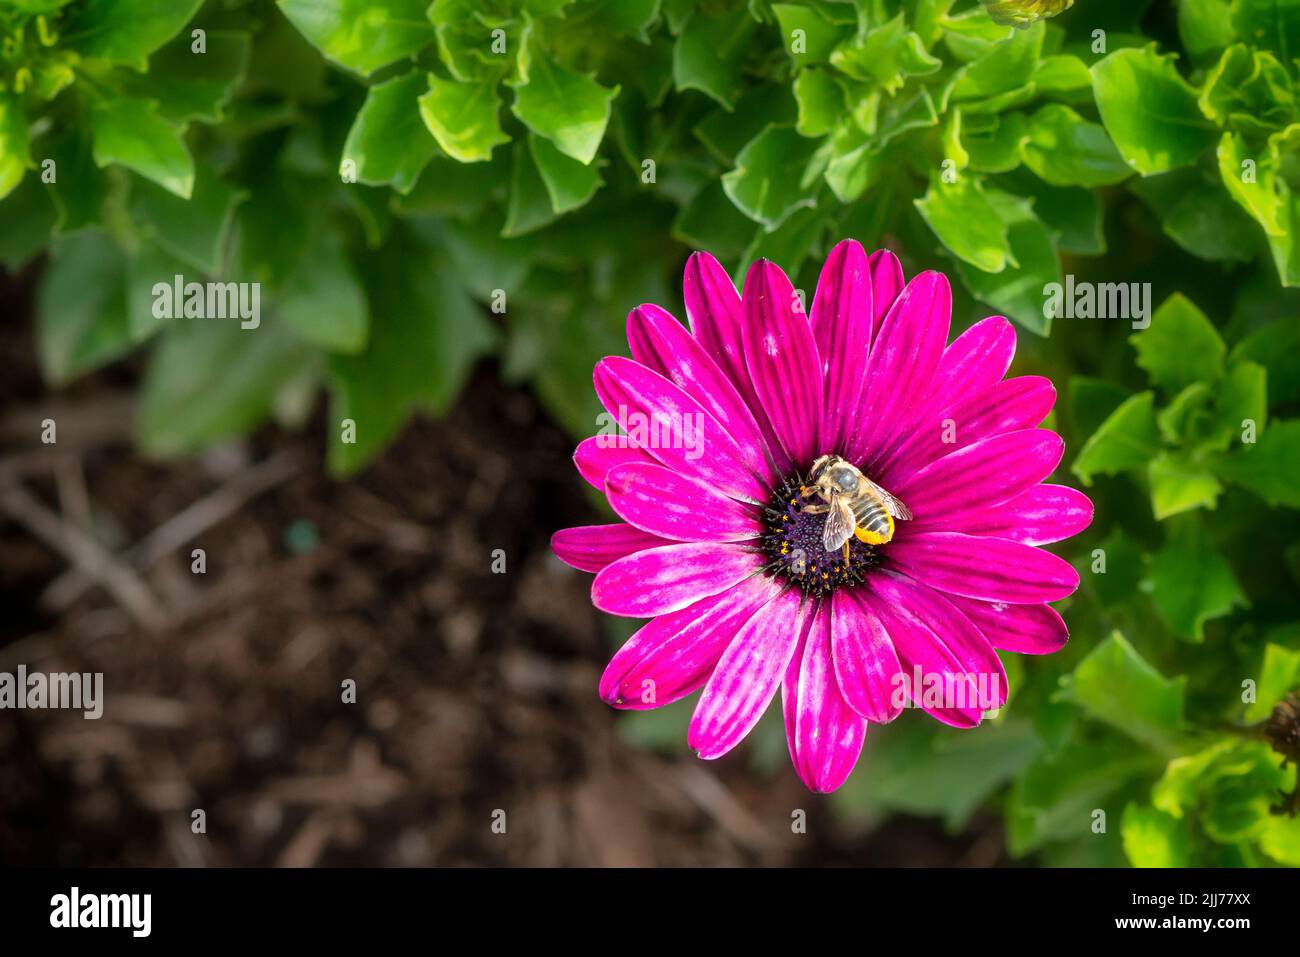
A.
x: 186, y: 524
x: 86, y: 554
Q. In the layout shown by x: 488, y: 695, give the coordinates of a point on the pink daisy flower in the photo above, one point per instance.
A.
x: 719, y: 476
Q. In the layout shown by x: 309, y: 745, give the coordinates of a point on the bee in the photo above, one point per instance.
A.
x: 855, y: 505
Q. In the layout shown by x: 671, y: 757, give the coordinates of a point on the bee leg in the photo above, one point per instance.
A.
x: 815, y: 509
x: 846, y: 553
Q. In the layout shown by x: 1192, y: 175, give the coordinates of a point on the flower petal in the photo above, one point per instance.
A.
x: 866, y: 664
x: 932, y: 677
x: 717, y: 320
x: 984, y: 474
x: 1024, y: 629
x: 1008, y: 406
x: 674, y: 428
x: 824, y: 734
x: 746, y: 677
x: 886, y: 286
x: 903, y: 359
x: 670, y: 577
x: 783, y: 362
x: 985, y: 568
x: 662, y: 502
x: 963, y: 640
x: 842, y: 325
x: 1039, y: 516
x: 596, y: 455
x: 673, y: 655
x: 975, y: 360
x: 589, y: 548
x: 661, y: 343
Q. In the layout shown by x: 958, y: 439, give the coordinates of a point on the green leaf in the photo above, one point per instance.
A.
x: 1179, y: 484
x: 569, y: 109
x: 79, y: 188
x: 190, y: 85
x: 1279, y: 672
x: 710, y: 51
x: 1226, y: 789
x: 362, y: 35
x: 627, y: 17
x: 390, y: 140
x: 1007, y: 66
x: 1055, y: 798
x: 210, y: 379
x: 323, y: 301
x: 726, y: 132
x: 1191, y: 583
x: 967, y: 224
x: 1180, y: 346
x: 774, y: 176
x: 1271, y: 467
x: 1269, y: 24
x: 125, y: 31
x: 569, y: 183
x: 821, y: 102
x: 1204, y: 27
x: 1064, y: 149
x: 1276, y: 347
x: 463, y: 118
x: 1128, y: 439
x: 426, y: 335
x: 1116, y: 579
x: 1280, y: 840
x: 1072, y: 215
x: 196, y: 230
x: 1251, y: 179
x: 29, y: 221
x: 1248, y: 90
x: 81, y: 320
x: 529, y: 206
x: 14, y: 156
x: 1033, y: 266
x: 922, y: 771
x: 1116, y: 685
x: 993, y: 142
x: 130, y: 132
x: 1199, y: 215
x: 1149, y: 111
x: 1062, y: 73
x: 817, y: 36
x: 711, y: 221
x: 887, y: 55
x: 150, y: 265
x: 1153, y: 838
x: 1242, y: 399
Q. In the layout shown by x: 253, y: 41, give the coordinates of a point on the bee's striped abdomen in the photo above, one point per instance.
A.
x: 875, y: 525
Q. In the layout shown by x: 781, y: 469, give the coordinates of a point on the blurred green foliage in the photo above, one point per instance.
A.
x: 416, y: 186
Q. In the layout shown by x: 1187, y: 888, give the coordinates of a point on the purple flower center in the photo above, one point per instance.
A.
x: 794, y: 548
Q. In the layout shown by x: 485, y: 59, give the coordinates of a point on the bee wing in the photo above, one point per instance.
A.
x: 839, y: 524
x: 892, y: 505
